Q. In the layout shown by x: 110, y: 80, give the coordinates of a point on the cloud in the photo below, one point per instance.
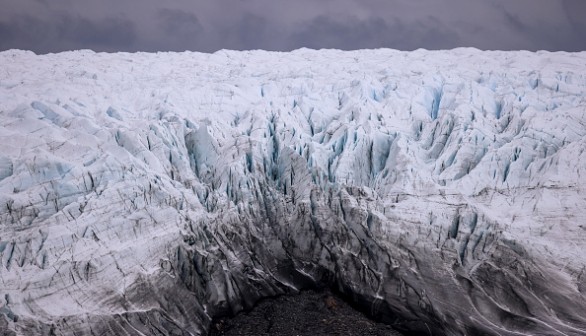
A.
x: 177, y: 30
x: 24, y: 32
x: 249, y: 32
x: 374, y: 32
x: 200, y: 25
x: 575, y: 10
x: 66, y: 33
x: 178, y: 23
x: 109, y: 32
x: 535, y: 32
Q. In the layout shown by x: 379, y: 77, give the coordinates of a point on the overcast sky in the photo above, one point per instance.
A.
x: 176, y: 25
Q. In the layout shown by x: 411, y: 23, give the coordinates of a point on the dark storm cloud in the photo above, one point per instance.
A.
x: 108, y: 32
x: 181, y: 30
x: 66, y: 32
x: 175, y: 22
x: 576, y: 13
x: 538, y: 31
x: 249, y: 32
x: 22, y: 32
x: 374, y: 32
x: 150, y: 25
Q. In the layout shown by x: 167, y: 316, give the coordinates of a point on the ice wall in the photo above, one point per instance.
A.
x: 145, y: 193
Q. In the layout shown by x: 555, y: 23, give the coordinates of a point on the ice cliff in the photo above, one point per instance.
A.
x: 443, y: 192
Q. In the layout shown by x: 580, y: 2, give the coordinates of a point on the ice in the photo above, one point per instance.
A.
x: 6, y: 167
x: 442, y: 189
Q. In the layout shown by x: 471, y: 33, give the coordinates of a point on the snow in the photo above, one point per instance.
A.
x: 125, y: 174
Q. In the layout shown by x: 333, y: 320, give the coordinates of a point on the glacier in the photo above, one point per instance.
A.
x: 440, y: 191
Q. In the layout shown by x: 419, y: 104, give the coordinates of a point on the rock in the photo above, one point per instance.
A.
x: 304, y: 314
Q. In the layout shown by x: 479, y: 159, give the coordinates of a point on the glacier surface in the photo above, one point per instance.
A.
x: 441, y: 191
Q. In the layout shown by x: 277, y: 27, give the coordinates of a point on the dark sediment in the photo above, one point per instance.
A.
x: 307, y: 313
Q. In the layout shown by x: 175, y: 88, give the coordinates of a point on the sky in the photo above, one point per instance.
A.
x: 45, y: 26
